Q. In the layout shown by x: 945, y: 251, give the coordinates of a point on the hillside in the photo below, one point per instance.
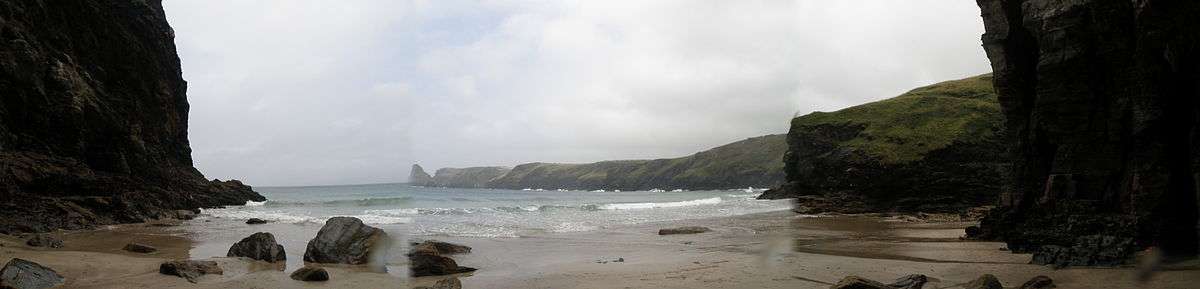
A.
x: 934, y: 148
x: 753, y: 162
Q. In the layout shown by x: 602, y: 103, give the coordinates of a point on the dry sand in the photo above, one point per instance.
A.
x: 773, y: 250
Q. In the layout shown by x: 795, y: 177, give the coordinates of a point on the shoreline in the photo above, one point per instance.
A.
x: 762, y: 250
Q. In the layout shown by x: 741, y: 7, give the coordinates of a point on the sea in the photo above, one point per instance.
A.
x: 296, y: 213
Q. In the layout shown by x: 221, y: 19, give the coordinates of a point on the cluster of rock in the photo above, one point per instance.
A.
x: 88, y: 135
x: 431, y: 258
x: 1103, y: 127
x: 918, y: 281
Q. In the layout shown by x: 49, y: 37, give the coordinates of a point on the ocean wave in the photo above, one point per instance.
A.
x: 292, y: 218
x: 367, y: 202
x: 637, y: 206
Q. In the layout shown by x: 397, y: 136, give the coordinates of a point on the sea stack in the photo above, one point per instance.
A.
x: 418, y: 177
x: 1101, y: 105
x: 94, y: 118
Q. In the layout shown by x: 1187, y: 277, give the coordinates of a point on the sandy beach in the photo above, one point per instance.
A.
x: 770, y: 250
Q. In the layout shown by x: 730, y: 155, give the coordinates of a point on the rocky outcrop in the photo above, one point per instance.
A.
x: 1100, y: 99
x: 93, y: 118
x: 190, y: 269
x: 345, y: 240
x: 418, y: 177
x: 22, y: 274
x: 474, y: 177
x: 429, y: 258
x: 935, y: 149
x: 258, y: 246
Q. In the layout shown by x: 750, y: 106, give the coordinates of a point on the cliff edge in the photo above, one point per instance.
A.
x: 93, y: 118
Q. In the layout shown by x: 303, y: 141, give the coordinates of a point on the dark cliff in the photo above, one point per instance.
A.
x: 936, y: 149
x: 93, y: 118
x: 1101, y: 101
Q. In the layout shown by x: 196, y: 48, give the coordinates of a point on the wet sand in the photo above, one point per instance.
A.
x: 772, y: 250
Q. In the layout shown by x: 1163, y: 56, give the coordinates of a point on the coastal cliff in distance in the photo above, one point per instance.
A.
x: 93, y: 118
x: 753, y: 162
x: 1102, y: 102
x: 934, y: 149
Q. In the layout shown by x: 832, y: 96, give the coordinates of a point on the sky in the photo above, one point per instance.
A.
x: 313, y: 92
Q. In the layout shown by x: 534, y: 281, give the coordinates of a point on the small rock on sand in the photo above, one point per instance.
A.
x: 23, y: 274
x: 987, y: 281
x: 442, y: 248
x: 855, y: 282
x: 255, y: 221
x: 424, y: 264
x: 683, y: 230
x: 914, y: 281
x: 1039, y: 282
x: 258, y: 246
x: 189, y: 269
x: 451, y: 283
x: 44, y: 240
x: 309, y: 273
x: 139, y: 248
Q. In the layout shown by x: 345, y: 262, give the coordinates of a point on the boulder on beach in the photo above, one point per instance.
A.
x: 23, y: 274
x: 310, y: 273
x: 44, y: 240
x: 1039, y: 282
x: 344, y: 240
x: 855, y: 282
x: 425, y: 264
x: 683, y: 230
x: 258, y: 246
x: 442, y: 248
x: 255, y: 221
x: 190, y: 269
x: 139, y: 248
x: 914, y: 281
x: 987, y: 281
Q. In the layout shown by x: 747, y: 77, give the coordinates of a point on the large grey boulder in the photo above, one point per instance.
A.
x: 310, y: 274
x: 23, y: 274
x: 344, y: 240
x: 258, y: 246
x: 190, y: 269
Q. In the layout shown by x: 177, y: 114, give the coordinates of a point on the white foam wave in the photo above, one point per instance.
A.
x: 274, y: 216
x: 636, y: 206
x: 255, y: 204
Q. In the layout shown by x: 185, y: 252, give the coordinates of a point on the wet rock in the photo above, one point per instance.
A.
x: 987, y: 281
x: 1039, y: 282
x: 23, y: 274
x: 139, y: 248
x: 185, y: 214
x: 451, y: 283
x: 258, y: 246
x: 855, y: 282
x: 255, y: 221
x: 309, y: 274
x: 914, y: 281
x: 44, y: 240
x: 1094, y: 250
x: 344, y: 240
x: 190, y: 269
x: 683, y: 230
x: 424, y: 264
x: 442, y: 248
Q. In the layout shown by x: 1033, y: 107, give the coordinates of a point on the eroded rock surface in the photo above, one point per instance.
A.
x: 344, y: 240
x: 24, y: 274
x: 190, y: 269
x: 258, y: 246
x: 310, y: 274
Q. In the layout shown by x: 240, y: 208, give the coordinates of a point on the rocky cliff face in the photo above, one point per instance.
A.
x: 933, y: 149
x: 418, y: 177
x: 93, y: 118
x: 473, y: 177
x: 1101, y: 100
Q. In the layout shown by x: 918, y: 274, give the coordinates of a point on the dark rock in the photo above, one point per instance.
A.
x: 344, y: 240
x: 190, y: 269
x: 867, y: 158
x: 258, y: 246
x: 1102, y: 123
x: 255, y: 221
x: 44, y: 240
x: 987, y: 281
x: 309, y: 273
x: 1039, y: 282
x: 1094, y: 250
x: 139, y: 248
x: 683, y: 230
x: 186, y: 214
x: 23, y: 274
x: 855, y: 282
x: 914, y: 281
x: 424, y: 264
x: 441, y: 248
x: 94, y: 118
x: 449, y: 283
x: 972, y: 232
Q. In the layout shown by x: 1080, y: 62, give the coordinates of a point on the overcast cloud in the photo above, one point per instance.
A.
x: 304, y: 92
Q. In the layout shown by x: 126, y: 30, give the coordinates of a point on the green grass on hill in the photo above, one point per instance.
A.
x: 904, y: 128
